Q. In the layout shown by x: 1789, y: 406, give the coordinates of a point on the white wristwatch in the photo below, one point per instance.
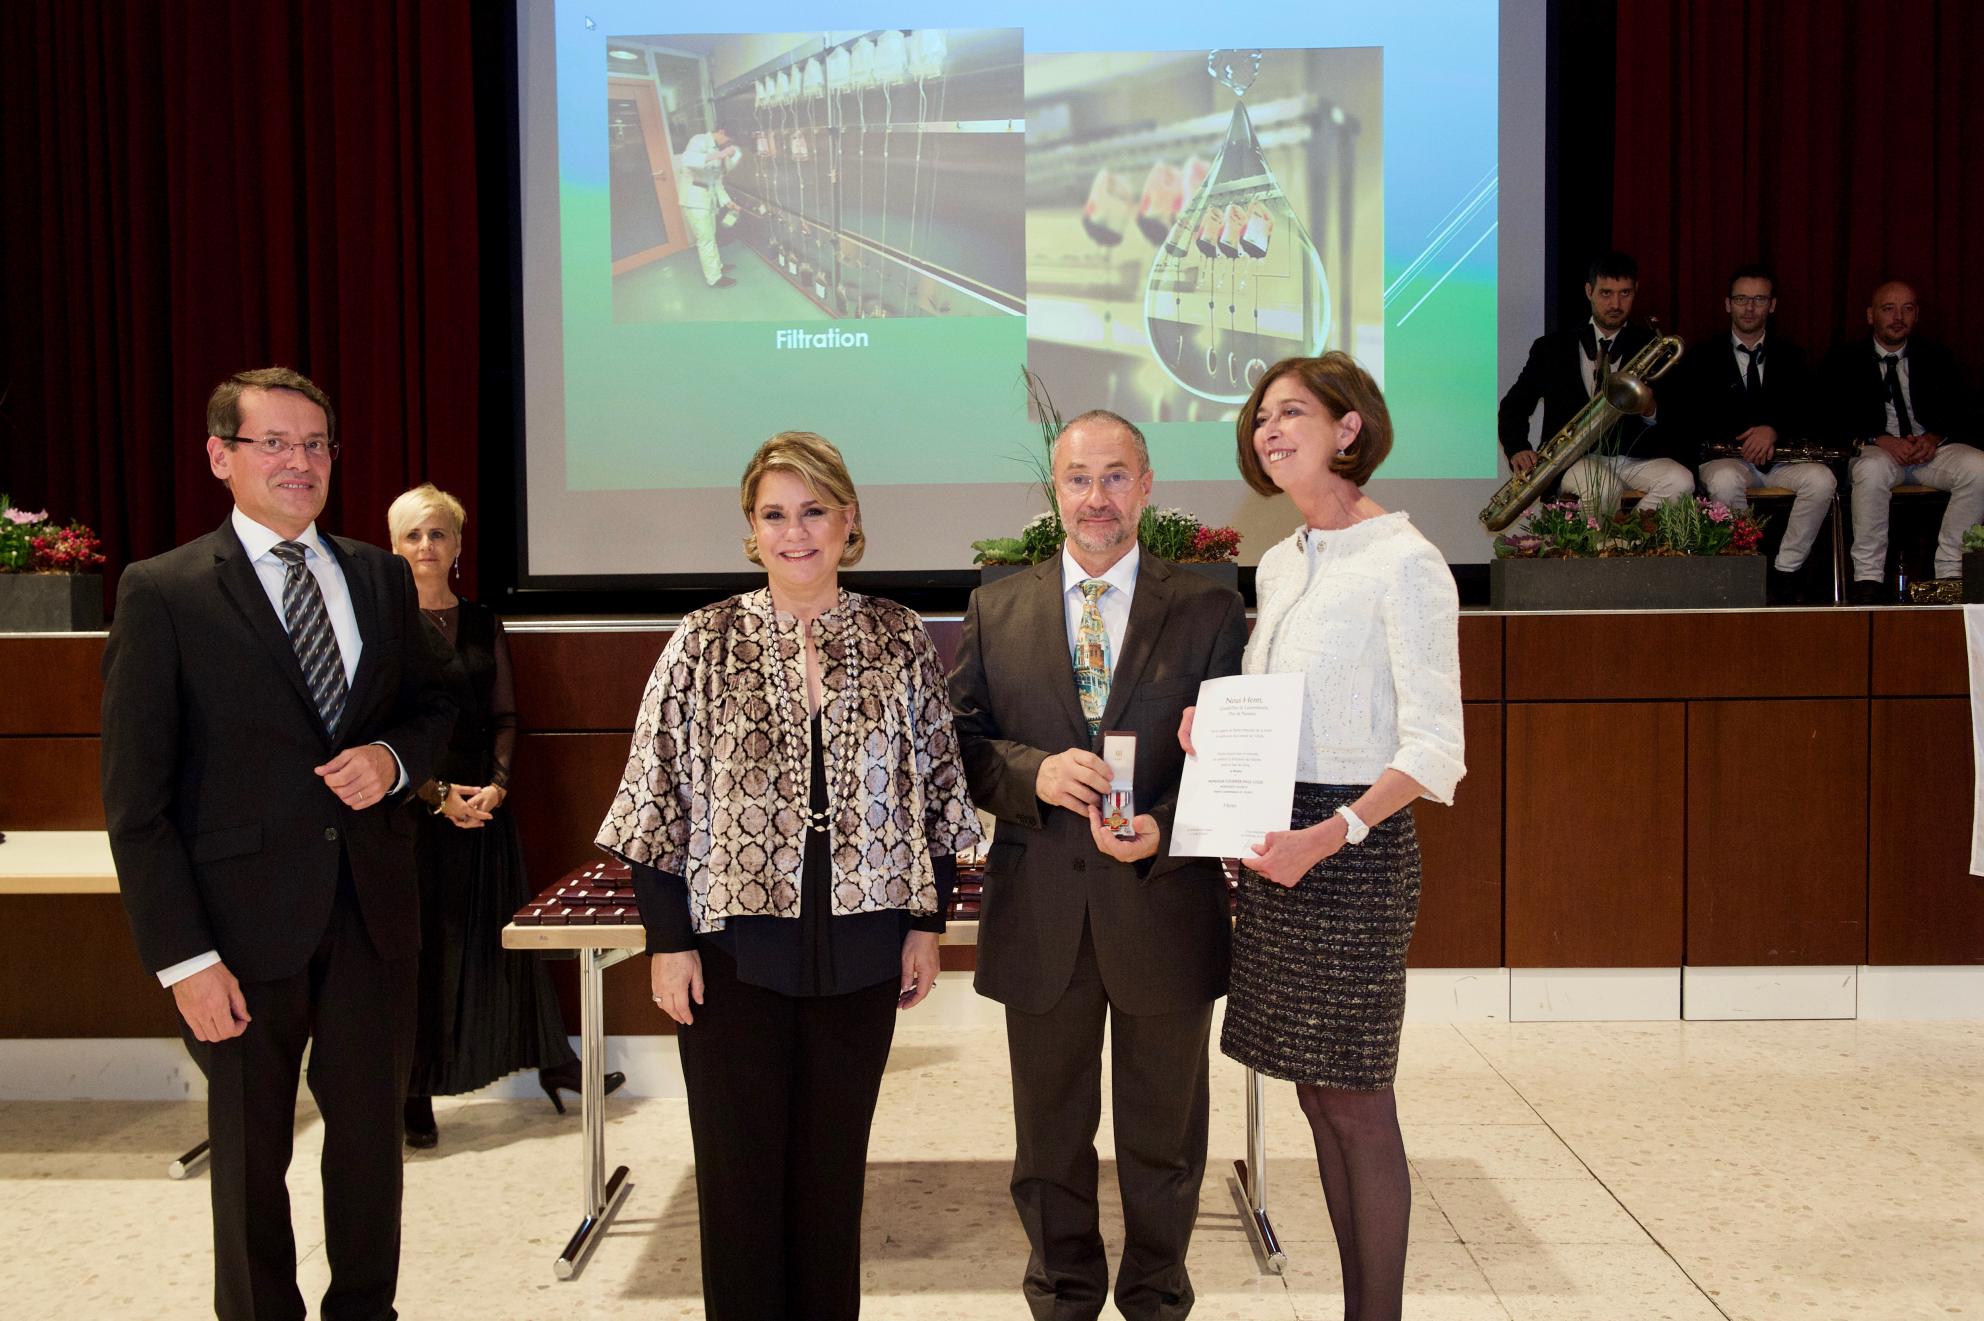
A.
x: 1356, y: 829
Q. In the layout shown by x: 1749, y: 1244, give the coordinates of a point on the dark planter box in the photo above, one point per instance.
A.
x: 1226, y: 575
x: 1973, y: 577
x: 1635, y: 582
x: 51, y: 602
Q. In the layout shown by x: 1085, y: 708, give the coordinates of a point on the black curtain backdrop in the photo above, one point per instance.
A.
x: 1840, y: 141
x: 196, y: 188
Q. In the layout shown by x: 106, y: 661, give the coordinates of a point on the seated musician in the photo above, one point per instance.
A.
x: 1895, y: 397
x: 1745, y: 399
x: 1566, y: 368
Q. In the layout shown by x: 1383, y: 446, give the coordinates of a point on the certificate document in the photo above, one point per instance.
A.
x: 1241, y: 783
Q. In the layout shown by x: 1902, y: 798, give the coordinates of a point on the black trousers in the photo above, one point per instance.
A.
x: 1158, y: 1079
x: 356, y: 1010
x: 781, y: 1098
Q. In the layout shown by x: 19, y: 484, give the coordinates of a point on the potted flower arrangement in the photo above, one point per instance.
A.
x: 1170, y: 534
x: 48, y: 578
x: 1973, y: 564
x: 1686, y: 554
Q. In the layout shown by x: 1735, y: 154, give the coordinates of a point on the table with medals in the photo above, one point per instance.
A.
x: 591, y: 912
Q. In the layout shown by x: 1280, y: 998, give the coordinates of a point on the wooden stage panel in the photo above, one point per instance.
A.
x: 1594, y: 835
x: 72, y: 970
x: 1919, y: 652
x: 50, y: 783
x: 53, y: 685
x: 1777, y: 830
x: 561, y: 786
x: 1677, y: 657
x: 1923, y: 905
x: 1460, y: 849
x: 589, y: 680
x: 1480, y: 658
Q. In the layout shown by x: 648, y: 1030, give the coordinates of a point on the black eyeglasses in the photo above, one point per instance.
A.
x: 1750, y: 300
x: 270, y: 447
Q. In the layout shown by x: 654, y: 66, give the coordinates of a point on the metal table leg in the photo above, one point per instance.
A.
x: 602, y: 1194
x: 187, y: 1165
x: 1253, y: 1173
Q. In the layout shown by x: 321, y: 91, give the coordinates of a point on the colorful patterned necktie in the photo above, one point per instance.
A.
x: 1092, y: 656
x: 310, y: 633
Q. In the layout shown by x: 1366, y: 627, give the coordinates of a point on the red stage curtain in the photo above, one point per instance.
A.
x: 1841, y: 142
x: 191, y: 189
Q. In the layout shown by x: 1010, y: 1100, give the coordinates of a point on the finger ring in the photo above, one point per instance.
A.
x: 656, y: 999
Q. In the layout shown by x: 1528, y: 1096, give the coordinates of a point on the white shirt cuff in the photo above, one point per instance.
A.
x: 179, y: 972
x: 399, y: 783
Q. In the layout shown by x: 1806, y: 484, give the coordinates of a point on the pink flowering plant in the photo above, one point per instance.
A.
x: 1563, y: 529
x: 31, y: 543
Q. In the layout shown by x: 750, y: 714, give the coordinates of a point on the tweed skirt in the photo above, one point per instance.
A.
x: 1318, y: 987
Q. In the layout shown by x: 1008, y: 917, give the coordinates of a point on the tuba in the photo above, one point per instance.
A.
x: 1628, y: 392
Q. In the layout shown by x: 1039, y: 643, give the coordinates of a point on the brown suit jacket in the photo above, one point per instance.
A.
x: 1160, y: 926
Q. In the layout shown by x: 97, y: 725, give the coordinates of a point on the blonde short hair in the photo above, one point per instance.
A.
x: 421, y: 501
x: 813, y: 459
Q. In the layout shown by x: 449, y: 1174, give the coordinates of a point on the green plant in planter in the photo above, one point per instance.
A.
x: 1973, y: 538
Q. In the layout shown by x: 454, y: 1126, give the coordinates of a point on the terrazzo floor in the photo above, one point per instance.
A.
x: 1615, y: 1172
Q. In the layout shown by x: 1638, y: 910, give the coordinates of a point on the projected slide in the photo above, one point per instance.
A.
x: 869, y: 231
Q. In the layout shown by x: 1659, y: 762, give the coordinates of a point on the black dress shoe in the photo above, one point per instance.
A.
x: 565, y: 1078
x: 1868, y: 591
x: 723, y: 283
x: 418, y: 1116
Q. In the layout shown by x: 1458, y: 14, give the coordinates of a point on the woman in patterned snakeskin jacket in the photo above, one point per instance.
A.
x: 792, y: 808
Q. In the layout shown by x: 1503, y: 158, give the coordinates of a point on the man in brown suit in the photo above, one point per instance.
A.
x: 1077, y: 926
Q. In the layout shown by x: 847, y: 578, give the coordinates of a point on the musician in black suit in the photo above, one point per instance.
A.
x: 1566, y: 368
x: 270, y: 696
x: 1898, y: 398
x: 1752, y: 392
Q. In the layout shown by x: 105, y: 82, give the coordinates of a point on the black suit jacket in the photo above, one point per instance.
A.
x: 1160, y: 926
x: 1857, y: 392
x: 1554, y: 375
x: 223, y: 836
x: 1712, y: 405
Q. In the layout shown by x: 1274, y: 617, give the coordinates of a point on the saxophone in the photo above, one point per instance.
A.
x: 1628, y: 392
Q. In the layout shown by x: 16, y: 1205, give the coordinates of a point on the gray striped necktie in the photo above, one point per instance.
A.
x: 310, y: 633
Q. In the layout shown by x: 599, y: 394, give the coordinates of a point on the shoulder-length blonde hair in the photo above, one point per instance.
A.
x: 813, y: 459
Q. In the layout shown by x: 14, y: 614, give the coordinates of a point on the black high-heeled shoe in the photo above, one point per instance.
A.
x: 418, y: 1117
x: 566, y: 1078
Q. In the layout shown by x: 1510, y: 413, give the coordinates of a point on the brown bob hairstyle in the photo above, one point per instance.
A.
x: 1340, y: 386
x: 813, y: 459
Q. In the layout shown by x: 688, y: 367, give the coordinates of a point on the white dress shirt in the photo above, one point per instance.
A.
x: 260, y: 543
x: 1590, y: 362
x: 1736, y: 347
x: 1369, y: 616
x: 1908, y: 396
x: 1113, y: 605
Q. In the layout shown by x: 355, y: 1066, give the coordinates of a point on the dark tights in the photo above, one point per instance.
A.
x: 1369, y: 1190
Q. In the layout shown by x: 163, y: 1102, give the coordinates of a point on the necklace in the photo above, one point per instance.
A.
x: 440, y: 616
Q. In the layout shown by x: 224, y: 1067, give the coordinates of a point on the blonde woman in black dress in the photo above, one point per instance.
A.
x: 484, y: 1012
x: 1364, y: 607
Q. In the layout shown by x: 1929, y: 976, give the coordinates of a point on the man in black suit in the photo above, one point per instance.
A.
x: 1566, y: 369
x: 270, y: 697
x: 1077, y: 926
x: 1749, y: 396
x: 1898, y: 398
